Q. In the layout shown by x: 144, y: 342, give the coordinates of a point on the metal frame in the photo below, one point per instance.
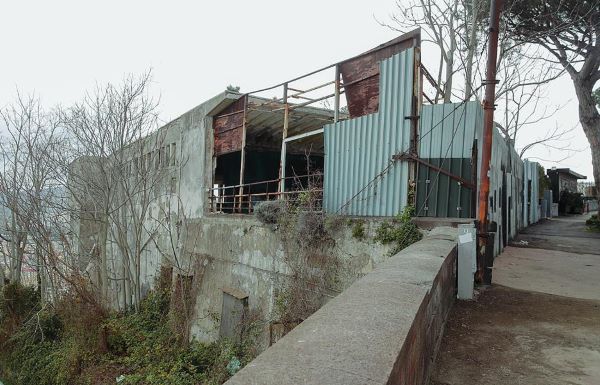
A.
x: 242, y: 201
x: 412, y: 39
x: 412, y: 157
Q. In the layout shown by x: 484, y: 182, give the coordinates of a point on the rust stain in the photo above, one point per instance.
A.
x: 227, y: 128
x: 360, y: 75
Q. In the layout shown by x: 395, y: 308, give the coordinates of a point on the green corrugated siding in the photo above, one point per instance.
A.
x: 446, y: 138
x: 357, y: 150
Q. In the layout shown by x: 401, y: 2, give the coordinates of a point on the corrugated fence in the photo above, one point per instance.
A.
x: 360, y: 176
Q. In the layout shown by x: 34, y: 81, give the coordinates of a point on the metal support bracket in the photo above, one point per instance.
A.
x: 462, y: 181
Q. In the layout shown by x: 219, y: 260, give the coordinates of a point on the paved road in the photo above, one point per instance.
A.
x: 540, y: 321
x: 561, y: 233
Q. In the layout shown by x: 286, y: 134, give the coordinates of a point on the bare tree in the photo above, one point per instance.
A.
x: 523, y: 102
x: 31, y: 196
x: 569, y: 31
x: 23, y: 124
x: 441, y: 25
x: 458, y: 29
x: 115, y: 179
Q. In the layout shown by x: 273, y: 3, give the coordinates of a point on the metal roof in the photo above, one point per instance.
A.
x: 567, y: 171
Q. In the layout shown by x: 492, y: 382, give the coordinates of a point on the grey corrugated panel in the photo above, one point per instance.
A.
x: 357, y: 150
x: 531, y: 215
x: 455, y: 118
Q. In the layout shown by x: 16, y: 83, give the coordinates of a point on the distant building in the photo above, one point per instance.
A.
x: 588, y: 189
x: 563, y: 179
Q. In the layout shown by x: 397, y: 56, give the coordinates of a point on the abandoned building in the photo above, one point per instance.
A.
x: 563, y: 179
x: 363, y: 133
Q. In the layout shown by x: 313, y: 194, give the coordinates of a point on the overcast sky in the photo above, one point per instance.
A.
x: 60, y: 48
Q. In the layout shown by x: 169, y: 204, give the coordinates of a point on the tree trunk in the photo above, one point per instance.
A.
x: 2, y: 278
x: 450, y: 69
x: 590, y: 121
x: 102, y: 241
x: 471, y: 47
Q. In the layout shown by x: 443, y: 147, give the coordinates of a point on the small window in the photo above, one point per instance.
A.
x: 173, y: 185
x: 173, y: 154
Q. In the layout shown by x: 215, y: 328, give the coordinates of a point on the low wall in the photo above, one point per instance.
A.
x: 383, y: 329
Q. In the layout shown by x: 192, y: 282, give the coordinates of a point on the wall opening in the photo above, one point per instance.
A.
x: 235, y: 308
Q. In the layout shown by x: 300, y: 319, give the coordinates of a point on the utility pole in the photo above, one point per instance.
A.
x: 485, y: 237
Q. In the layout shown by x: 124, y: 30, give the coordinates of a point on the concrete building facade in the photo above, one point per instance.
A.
x: 211, y: 167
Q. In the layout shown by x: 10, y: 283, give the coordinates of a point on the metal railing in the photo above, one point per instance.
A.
x: 243, y: 198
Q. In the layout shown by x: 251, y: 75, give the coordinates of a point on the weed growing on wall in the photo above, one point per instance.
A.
x: 308, y: 253
x: 358, y: 229
x: 401, y: 231
x: 270, y: 212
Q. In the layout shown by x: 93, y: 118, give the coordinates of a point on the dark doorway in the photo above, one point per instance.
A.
x: 504, y: 211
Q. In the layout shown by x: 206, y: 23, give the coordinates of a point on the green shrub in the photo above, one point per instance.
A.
x: 358, y: 229
x: 17, y: 303
x: 570, y: 202
x: 76, y: 342
x: 593, y: 223
x: 400, y: 231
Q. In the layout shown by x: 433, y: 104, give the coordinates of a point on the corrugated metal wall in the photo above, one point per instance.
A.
x: 358, y: 152
x: 506, y: 170
x: 530, y: 192
x: 510, y: 177
x: 447, y: 137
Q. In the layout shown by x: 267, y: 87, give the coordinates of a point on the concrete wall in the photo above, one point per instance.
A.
x: 244, y: 255
x: 384, y: 329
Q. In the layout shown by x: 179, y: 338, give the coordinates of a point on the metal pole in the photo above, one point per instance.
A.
x: 286, y: 119
x: 336, y: 103
x: 242, y: 156
x: 488, y: 126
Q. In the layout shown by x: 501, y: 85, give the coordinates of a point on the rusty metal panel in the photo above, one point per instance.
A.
x: 361, y: 177
x: 227, y: 127
x: 361, y: 78
x: 228, y: 141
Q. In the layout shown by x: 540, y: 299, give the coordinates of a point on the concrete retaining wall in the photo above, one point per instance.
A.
x: 238, y: 252
x: 383, y: 329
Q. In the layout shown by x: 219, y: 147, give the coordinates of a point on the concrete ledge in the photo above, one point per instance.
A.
x: 383, y: 329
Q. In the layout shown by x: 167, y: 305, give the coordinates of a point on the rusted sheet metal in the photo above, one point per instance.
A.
x: 227, y: 127
x: 360, y: 74
x: 228, y: 141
